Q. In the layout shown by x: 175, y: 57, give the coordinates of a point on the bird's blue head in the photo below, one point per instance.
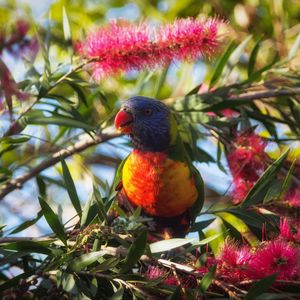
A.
x: 147, y: 121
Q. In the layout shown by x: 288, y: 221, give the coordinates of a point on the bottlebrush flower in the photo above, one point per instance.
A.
x: 187, y: 281
x: 122, y: 46
x: 233, y: 261
x: 288, y: 232
x: 278, y: 257
x: 246, y: 162
x: 8, y: 85
x: 17, y: 42
x: 247, y: 159
x: 241, y: 189
x: 292, y: 197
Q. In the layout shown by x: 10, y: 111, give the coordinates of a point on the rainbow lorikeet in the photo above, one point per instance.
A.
x: 158, y: 175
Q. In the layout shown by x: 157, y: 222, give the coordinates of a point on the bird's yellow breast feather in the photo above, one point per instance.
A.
x: 161, y: 186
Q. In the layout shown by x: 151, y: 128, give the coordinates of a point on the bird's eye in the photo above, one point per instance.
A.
x: 147, y: 111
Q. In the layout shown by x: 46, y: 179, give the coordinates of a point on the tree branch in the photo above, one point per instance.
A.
x: 80, y: 146
x: 266, y: 94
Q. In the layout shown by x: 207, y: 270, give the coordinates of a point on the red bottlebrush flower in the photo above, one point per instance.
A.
x: 8, y: 84
x: 233, y: 261
x: 155, y: 272
x: 188, y: 39
x: 277, y: 257
x: 241, y: 189
x: 288, y: 232
x: 17, y: 43
x: 187, y: 281
x: 122, y: 46
x: 292, y: 197
x: 22, y: 28
x: 247, y: 160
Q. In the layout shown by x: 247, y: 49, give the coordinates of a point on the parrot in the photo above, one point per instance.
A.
x: 158, y: 175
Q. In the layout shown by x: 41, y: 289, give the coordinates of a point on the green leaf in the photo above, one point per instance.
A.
x: 28, y: 223
x: 295, y: 48
x: 207, y: 279
x: 240, y: 226
x: 176, y: 294
x: 89, y: 212
x: 41, y: 185
x: 33, y: 246
x: 259, y: 287
x: 69, y: 183
x: 238, y: 51
x: 256, y: 194
x: 66, y: 25
x: 15, y: 140
x: 201, y: 225
x: 53, y: 221
x: 99, y: 201
x: 60, y: 121
x: 81, y: 262
x: 252, y: 58
x: 135, y: 251
x: 166, y: 245
x: 118, y: 294
x: 221, y: 64
x: 288, y: 178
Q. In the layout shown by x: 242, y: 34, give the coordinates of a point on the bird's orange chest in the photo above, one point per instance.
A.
x: 161, y: 186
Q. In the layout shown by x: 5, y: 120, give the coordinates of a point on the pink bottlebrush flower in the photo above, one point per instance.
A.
x: 8, y: 84
x: 241, y: 189
x: 17, y: 43
x: 154, y: 272
x: 188, y: 39
x: 288, y: 232
x: 247, y: 159
x: 233, y: 261
x: 122, y: 46
x: 285, y: 230
x: 22, y: 28
x: 292, y: 197
x: 278, y: 257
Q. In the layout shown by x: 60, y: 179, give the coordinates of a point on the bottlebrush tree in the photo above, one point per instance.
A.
x: 236, y: 99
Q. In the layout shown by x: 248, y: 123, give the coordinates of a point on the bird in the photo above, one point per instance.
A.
x: 158, y: 175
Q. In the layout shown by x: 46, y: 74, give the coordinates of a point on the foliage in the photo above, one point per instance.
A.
x: 238, y: 114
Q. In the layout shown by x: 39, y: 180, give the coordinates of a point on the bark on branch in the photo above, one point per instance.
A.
x: 78, y: 147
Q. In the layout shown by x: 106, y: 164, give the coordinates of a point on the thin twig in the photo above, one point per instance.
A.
x: 55, y: 158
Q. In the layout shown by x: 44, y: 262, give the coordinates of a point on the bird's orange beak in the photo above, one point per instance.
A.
x: 123, y: 121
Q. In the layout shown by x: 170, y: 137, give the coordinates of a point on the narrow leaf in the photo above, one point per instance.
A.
x: 254, y: 195
x: 69, y: 183
x: 207, y: 279
x: 66, y: 25
x: 61, y: 121
x: 252, y: 58
x: 28, y: 223
x: 81, y: 262
x: 295, y: 47
x: 53, y: 221
x: 259, y: 287
x: 135, y: 251
x: 221, y: 64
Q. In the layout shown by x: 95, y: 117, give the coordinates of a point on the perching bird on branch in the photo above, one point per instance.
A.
x: 158, y: 175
